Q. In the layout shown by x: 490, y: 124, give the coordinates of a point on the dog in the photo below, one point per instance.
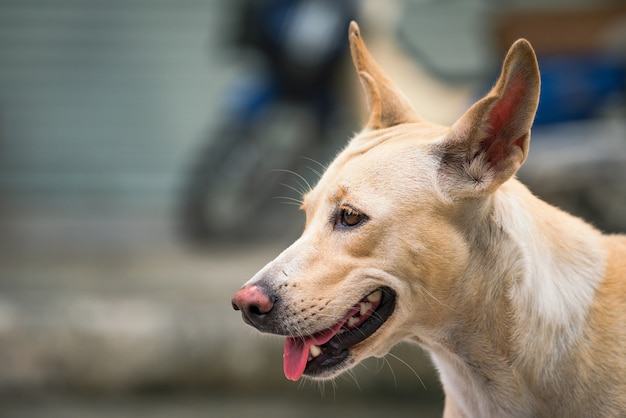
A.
x: 419, y: 232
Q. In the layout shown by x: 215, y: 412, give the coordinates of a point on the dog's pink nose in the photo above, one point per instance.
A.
x: 254, y: 302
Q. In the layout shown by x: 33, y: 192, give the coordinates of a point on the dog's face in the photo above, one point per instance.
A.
x: 383, y: 247
x: 348, y: 273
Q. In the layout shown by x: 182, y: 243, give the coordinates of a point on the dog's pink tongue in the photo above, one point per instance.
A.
x: 295, y: 357
x: 297, y: 351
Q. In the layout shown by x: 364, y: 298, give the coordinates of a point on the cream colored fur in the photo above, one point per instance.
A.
x: 521, y: 305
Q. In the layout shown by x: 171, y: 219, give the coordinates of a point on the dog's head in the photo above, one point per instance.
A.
x: 384, y: 249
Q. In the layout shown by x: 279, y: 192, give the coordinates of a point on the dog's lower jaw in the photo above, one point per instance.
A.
x: 330, y: 373
x: 354, y: 356
x: 348, y: 359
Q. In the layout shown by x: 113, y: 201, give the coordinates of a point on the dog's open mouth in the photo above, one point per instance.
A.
x: 327, y: 349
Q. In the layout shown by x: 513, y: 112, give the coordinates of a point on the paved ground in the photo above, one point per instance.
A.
x: 192, y: 406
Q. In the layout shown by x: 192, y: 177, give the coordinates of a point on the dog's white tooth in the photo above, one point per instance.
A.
x: 315, y: 350
x: 352, y: 321
x: 376, y: 296
x: 365, y: 306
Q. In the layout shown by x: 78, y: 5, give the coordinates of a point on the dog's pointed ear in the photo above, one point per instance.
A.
x: 489, y: 143
x: 387, y: 106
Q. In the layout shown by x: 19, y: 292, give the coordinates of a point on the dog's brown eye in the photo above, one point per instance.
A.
x: 350, y: 217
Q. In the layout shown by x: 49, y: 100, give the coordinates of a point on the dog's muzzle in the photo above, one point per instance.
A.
x: 326, y: 350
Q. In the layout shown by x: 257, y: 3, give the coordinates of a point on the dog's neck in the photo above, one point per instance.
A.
x: 535, y: 278
x: 562, y: 264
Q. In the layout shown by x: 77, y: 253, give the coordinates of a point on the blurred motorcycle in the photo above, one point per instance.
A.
x: 275, y: 114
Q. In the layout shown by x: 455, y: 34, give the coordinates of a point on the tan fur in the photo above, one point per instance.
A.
x: 522, y: 306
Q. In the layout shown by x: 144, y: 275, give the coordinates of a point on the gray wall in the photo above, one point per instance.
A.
x: 102, y: 102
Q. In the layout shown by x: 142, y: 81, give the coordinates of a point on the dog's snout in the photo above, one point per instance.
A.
x: 255, y: 303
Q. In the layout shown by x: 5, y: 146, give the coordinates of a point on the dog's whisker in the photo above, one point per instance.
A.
x: 300, y: 177
x: 295, y: 331
x: 289, y: 186
x: 299, y: 333
x: 321, y: 388
x: 433, y: 297
x: 289, y: 200
x: 393, y: 374
x: 313, y: 160
x: 302, y: 189
x: 409, y: 367
x: 302, y: 383
x: 354, y: 379
x: 380, y: 364
x: 316, y: 172
x: 290, y: 203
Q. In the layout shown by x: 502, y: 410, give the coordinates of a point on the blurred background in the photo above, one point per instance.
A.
x: 152, y: 154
